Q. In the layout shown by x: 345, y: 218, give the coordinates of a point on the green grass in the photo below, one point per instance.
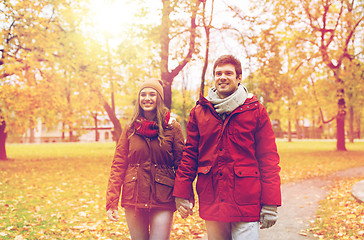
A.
x: 307, y: 159
x: 57, y: 191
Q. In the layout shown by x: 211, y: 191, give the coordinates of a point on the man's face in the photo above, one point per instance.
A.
x: 226, y: 81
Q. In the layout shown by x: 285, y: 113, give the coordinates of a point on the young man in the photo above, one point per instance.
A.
x: 231, y: 148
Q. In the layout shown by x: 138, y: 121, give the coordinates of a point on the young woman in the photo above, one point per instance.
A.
x: 146, y: 157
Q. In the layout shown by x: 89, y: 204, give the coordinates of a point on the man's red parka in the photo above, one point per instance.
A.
x: 235, y: 159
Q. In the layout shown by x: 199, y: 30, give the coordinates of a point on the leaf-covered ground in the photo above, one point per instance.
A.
x: 340, y: 216
x: 57, y: 191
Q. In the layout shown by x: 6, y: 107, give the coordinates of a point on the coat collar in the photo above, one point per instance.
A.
x: 204, y: 102
x: 249, y: 104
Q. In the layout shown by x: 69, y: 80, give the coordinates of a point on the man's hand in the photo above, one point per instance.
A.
x: 112, y: 214
x: 184, y: 207
x: 268, y: 216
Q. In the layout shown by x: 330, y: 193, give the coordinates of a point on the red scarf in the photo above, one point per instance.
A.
x: 148, y: 128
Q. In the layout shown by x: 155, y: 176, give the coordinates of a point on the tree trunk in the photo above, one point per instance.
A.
x: 207, y: 28
x: 114, y: 120
x: 167, y: 89
x: 298, y: 129
x: 340, y: 118
x: 184, y: 108
x: 112, y: 116
x: 96, y: 128
x: 358, y: 128
x: 32, y: 135
x: 313, y: 129
x: 164, y: 37
x: 70, y: 135
x: 340, y: 131
x: 166, y: 75
x: 3, y: 135
x: 351, y: 124
x: 289, y: 131
x: 63, y: 132
x: 206, y: 62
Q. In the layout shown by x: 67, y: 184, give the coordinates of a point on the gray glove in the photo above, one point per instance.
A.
x: 112, y: 214
x: 268, y: 216
x: 184, y: 207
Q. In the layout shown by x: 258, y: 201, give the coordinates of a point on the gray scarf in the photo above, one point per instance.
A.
x: 225, y: 106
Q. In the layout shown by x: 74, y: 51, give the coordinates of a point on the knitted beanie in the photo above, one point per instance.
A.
x: 154, y: 83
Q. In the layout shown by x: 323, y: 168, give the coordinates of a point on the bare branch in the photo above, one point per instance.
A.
x: 318, y: 104
x: 179, y: 33
x: 191, y: 49
x: 350, y: 36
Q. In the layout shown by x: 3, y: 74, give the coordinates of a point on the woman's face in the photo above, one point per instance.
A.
x: 148, y: 99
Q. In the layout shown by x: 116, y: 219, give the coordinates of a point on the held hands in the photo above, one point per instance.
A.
x: 184, y: 207
x: 268, y: 216
x: 112, y: 214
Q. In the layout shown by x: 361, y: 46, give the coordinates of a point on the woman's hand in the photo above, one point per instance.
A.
x: 184, y: 207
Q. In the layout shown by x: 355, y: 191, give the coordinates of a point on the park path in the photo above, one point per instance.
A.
x: 299, y: 205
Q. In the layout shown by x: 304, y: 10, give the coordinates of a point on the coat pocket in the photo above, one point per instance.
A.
x: 204, y: 186
x: 129, y: 183
x: 247, y: 186
x: 163, y: 188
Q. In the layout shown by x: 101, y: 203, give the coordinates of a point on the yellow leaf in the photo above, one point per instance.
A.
x: 351, y: 216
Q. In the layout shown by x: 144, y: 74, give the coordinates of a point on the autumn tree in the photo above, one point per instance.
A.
x: 52, y: 71
x: 266, y: 53
x: 172, y: 36
x: 74, y: 68
x: 27, y: 47
x: 47, y: 67
x: 353, y: 76
x: 329, y: 28
x: 326, y: 30
x: 332, y: 25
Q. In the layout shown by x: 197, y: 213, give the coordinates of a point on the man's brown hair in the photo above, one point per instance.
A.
x: 228, y: 59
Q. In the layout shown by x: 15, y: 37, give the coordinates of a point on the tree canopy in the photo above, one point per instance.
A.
x: 303, y: 59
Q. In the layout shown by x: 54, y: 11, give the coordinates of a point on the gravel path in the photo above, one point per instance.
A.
x: 299, y: 206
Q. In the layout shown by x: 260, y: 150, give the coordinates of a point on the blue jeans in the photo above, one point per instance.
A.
x: 232, y: 230
x: 145, y: 225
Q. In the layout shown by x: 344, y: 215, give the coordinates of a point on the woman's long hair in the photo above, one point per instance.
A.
x: 161, y: 110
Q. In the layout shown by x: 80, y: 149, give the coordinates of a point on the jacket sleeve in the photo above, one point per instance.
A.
x: 178, y: 144
x: 268, y: 158
x: 117, y: 173
x: 186, y: 172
